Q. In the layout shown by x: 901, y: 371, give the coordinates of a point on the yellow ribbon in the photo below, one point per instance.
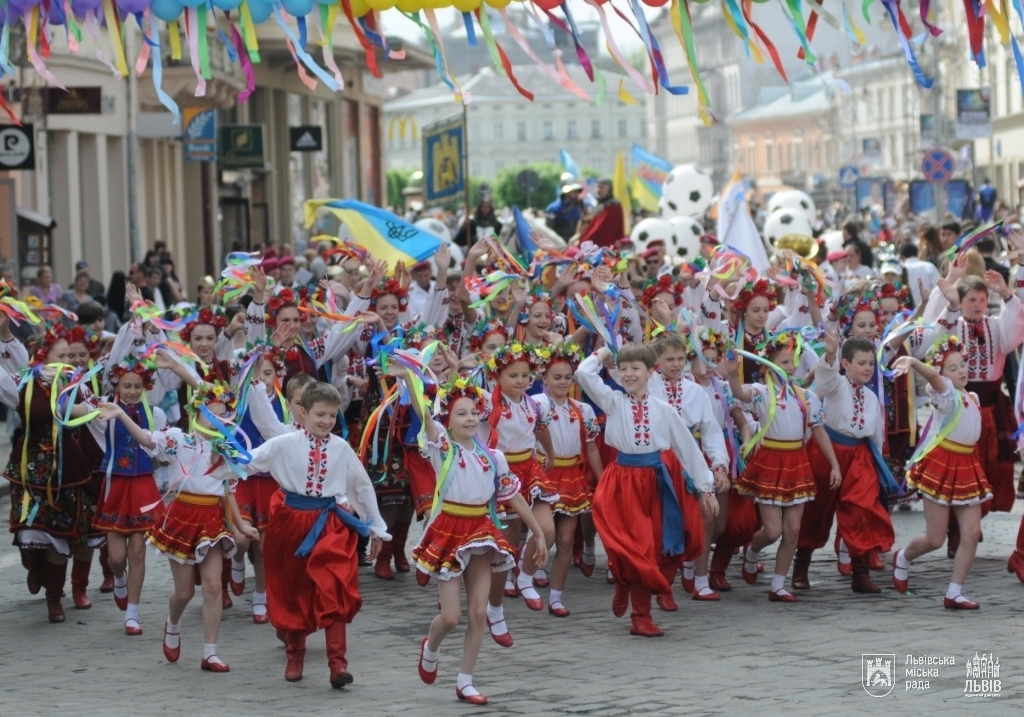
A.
x: 175, y: 38
x: 115, y: 37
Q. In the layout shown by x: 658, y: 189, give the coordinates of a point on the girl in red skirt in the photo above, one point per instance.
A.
x: 778, y: 476
x: 462, y: 542
x: 193, y: 530
x: 515, y: 426
x: 129, y: 502
x: 946, y: 469
x: 573, y: 429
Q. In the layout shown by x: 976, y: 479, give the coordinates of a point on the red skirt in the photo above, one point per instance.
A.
x: 533, y: 483
x: 627, y: 514
x: 192, y: 524
x: 253, y: 497
x: 575, y: 493
x: 422, y: 480
x: 951, y: 475
x: 998, y: 471
x: 778, y: 476
x: 306, y: 594
x: 131, y: 505
x: 458, y: 532
x: 693, y: 519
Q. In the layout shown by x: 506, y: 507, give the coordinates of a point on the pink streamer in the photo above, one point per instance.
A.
x: 559, y: 76
x: 392, y: 54
x: 92, y: 26
x: 306, y: 79
x: 72, y: 42
x: 642, y: 81
x: 37, y: 61
x: 192, y: 35
x: 245, y: 62
x: 143, y: 59
x: 328, y: 53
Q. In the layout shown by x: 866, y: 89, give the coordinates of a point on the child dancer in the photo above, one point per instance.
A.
x: 636, y: 508
x: 573, y: 428
x: 779, y: 476
x: 311, y: 555
x: 855, y: 424
x: 193, y: 530
x: 946, y: 469
x: 129, y: 502
x: 462, y: 542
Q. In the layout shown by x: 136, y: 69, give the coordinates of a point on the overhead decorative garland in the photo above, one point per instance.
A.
x: 235, y: 26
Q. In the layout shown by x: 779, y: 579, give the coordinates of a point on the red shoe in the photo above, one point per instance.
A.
x: 781, y: 597
x: 587, y: 570
x: 80, y: 598
x: 382, y: 566
x: 536, y: 604
x: 261, y: 619
x: 1016, y: 565
x: 666, y: 602
x: 900, y: 585
x: 427, y: 677
x: 293, y: 669
x: 341, y: 678
x: 511, y: 592
x: 609, y: 578
x: 644, y: 626
x: 717, y: 581
x: 577, y: 555
x: 132, y: 630
x: 541, y: 582
x: 79, y: 583
x: 845, y: 569
x: 560, y: 611
x: 964, y: 604
x: 711, y: 597
x: 214, y: 666
x: 172, y: 654
x: 620, y: 601
x: 875, y: 562
x: 107, y: 586
x: 471, y: 699
x: 688, y: 584
x: 749, y: 577
x: 503, y: 640
x: 225, y: 598
x: 237, y: 588
x: 422, y: 578
x: 122, y: 603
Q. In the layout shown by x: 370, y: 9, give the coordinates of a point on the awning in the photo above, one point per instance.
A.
x: 40, y: 220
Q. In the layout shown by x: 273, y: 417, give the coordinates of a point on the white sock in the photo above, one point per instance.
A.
x: 132, y: 613
x: 778, y: 582
x: 259, y: 603
x: 510, y: 582
x: 555, y: 598
x: 541, y: 574
x: 844, y: 554
x: 608, y: 574
x: 237, y: 570
x: 954, y: 591
x: 588, y: 554
x: 496, y: 616
x: 750, y: 556
x: 209, y: 651
x: 121, y: 586
x: 700, y: 583
x: 465, y: 685
x: 902, y: 571
x: 688, y: 569
x: 173, y: 637
x: 525, y: 584
x: 429, y: 658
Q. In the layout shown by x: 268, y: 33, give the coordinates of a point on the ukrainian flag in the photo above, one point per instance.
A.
x: 649, y: 172
x: 386, y: 236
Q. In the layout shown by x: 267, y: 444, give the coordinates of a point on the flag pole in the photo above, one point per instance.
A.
x: 465, y: 170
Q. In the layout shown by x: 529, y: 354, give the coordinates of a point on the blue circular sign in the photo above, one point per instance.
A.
x: 937, y: 166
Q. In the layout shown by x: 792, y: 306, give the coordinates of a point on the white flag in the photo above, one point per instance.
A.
x: 736, y: 227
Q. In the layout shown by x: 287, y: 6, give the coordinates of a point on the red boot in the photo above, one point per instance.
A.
x: 336, y: 661
x: 79, y: 583
x: 382, y: 568
x: 862, y: 582
x: 295, y: 650
x: 107, y: 586
x: 1016, y: 562
x: 801, y: 565
x: 34, y: 561
x: 874, y: 561
x: 720, y: 560
x: 54, y: 577
x: 642, y: 625
x: 399, y: 534
x: 620, y: 601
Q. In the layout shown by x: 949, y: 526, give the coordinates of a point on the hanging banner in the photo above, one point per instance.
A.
x: 199, y: 134
x: 444, y: 162
x: 974, y: 113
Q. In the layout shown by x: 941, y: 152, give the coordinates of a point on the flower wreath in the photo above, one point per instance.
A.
x: 849, y: 305
x: 44, y: 343
x: 131, y: 364
x: 944, y: 346
x: 709, y: 338
x: 207, y: 393
x: 419, y: 335
x: 513, y: 352
x: 782, y: 341
x: 274, y: 354
x: 89, y: 339
x: 566, y: 352
x: 535, y: 296
x: 284, y: 298
x: 895, y: 290
x: 482, y: 330
x: 761, y: 287
x: 393, y: 287
x: 210, y: 317
x: 664, y: 284
x: 460, y: 387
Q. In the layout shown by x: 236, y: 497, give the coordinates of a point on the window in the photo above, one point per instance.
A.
x: 769, y: 154
x: 570, y: 132
x: 595, y: 129
x: 499, y: 131
x: 549, y: 129
x: 892, y: 103
x: 521, y: 131
x: 798, y: 150
x: 622, y: 128
x: 893, y: 153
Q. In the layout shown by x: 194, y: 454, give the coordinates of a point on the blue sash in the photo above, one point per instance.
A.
x: 325, y: 505
x: 672, y: 527
x: 885, y: 479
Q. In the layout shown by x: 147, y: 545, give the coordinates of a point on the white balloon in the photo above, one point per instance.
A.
x: 793, y: 199
x: 653, y: 228
x: 687, y: 234
x: 786, y: 221
x: 687, y: 192
x: 833, y: 240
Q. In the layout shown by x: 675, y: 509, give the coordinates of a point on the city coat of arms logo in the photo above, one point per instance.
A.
x: 878, y: 674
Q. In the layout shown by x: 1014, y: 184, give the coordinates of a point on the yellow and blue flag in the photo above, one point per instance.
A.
x: 649, y: 172
x: 386, y: 236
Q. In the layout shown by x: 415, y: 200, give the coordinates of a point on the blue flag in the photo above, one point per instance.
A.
x: 568, y: 165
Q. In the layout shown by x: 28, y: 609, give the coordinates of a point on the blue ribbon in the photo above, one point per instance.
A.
x: 326, y: 506
x: 885, y: 478
x: 230, y: 448
x: 467, y: 20
x: 908, y: 53
x: 672, y: 527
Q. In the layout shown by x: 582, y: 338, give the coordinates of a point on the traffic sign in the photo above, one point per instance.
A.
x: 848, y: 176
x: 937, y: 166
x: 17, y: 150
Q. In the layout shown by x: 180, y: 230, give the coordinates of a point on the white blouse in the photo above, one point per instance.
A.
x: 261, y: 410
x: 517, y: 428
x: 331, y: 468
x: 849, y: 409
x: 694, y: 407
x: 13, y: 356
x: 988, y: 340
x: 472, y: 477
x: 790, y: 422
x: 195, y: 468
x: 630, y: 424
x: 564, y: 425
x: 967, y: 430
